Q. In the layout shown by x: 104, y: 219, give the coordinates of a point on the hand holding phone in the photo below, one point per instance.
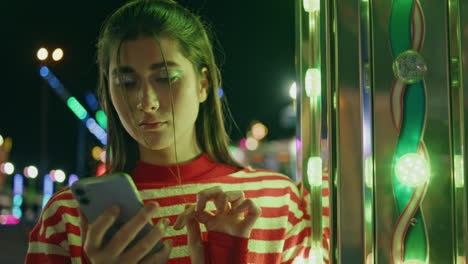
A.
x: 119, y: 228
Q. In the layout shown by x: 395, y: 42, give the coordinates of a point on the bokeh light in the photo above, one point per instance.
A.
x: 259, y: 131
x: 30, y: 172
x: 251, y: 143
x: 57, y: 54
x: 96, y: 153
x: 220, y: 92
x: 77, y: 108
x: 7, y: 144
x: 72, y: 179
x: 103, y: 156
x: 242, y: 144
x: 59, y: 176
x: 101, y: 169
x: 44, y: 71
x: 293, y: 91
x: 8, y: 168
x: 1, y: 140
x: 412, y: 170
x: 42, y: 54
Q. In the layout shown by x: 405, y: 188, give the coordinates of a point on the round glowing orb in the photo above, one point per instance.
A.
x: 414, y: 261
x: 293, y: 91
x: 8, y: 168
x: 412, y: 170
x: 313, y: 82
x: 57, y: 54
x: 44, y: 71
x: 259, y: 131
x: 96, y: 153
x: 251, y: 144
x: 1, y: 140
x: 59, y: 176
x: 17, y: 212
x: 42, y: 54
x: 31, y: 172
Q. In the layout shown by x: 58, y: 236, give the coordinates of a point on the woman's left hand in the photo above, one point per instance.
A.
x: 230, y: 217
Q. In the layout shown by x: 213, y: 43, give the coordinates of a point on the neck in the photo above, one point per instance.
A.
x: 167, y: 156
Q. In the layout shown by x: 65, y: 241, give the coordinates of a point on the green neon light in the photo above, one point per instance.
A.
x: 412, y: 170
x: 314, y: 171
x: 311, y: 5
x: 313, y: 82
x: 101, y: 118
x: 77, y: 108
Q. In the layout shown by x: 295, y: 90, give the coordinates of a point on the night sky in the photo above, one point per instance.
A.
x: 257, y: 37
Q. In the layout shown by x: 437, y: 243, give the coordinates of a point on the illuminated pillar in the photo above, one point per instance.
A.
x: 381, y: 102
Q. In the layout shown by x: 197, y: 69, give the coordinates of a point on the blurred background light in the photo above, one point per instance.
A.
x: 101, y: 118
x: 96, y: 153
x: 220, y: 92
x: 42, y: 54
x: 72, y: 179
x: 7, y: 168
x: 59, y: 176
x: 44, y: 71
x: 259, y: 131
x: 1, y: 140
x: 30, y: 172
x: 251, y: 143
x: 293, y: 91
x: 77, y: 108
x: 57, y: 54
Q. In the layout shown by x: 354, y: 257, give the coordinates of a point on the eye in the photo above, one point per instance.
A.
x: 125, y: 81
x: 167, y: 76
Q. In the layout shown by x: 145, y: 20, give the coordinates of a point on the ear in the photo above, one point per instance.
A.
x: 204, y: 85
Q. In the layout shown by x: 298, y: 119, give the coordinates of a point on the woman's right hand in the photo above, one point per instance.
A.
x: 113, y: 252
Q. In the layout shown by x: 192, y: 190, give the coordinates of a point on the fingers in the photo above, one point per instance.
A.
x: 146, y: 244
x: 160, y: 257
x: 182, y: 218
x: 253, y: 212
x: 96, y: 230
x: 204, y: 196
x: 129, y: 230
x: 235, y: 198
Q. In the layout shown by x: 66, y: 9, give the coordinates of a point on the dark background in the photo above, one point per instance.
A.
x: 257, y: 63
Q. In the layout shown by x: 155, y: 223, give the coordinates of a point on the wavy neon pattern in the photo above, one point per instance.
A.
x: 408, y: 109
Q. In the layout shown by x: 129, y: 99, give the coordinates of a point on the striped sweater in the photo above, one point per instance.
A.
x: 280, y: 235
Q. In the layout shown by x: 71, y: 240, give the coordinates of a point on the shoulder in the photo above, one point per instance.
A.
x: 62, y: 202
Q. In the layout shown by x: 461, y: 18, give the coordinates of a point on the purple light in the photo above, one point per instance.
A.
x: 72, y: 179
x: 18, y: 184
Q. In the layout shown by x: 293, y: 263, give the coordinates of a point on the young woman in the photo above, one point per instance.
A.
x: 158, y: 87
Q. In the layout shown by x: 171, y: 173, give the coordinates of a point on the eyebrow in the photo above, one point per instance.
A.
x: 156, y: 66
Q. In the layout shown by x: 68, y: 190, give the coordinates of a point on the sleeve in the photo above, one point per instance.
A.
x: 56, y: 236
x: 298, y: 240
x: 224, y: 248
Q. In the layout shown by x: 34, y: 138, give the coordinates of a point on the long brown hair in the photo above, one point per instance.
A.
x: 152, y: 18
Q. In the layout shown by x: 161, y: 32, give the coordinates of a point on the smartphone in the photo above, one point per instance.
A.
x: 96, y: 194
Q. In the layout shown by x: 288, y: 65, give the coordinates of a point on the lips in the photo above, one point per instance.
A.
x: 152, y: 124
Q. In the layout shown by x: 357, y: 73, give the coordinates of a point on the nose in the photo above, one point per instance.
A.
x: 148, y: 99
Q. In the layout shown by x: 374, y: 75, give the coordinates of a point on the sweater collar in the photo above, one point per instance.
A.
x: 196, y: 169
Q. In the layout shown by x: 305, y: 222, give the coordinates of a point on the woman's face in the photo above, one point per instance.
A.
x: 141, y: 95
